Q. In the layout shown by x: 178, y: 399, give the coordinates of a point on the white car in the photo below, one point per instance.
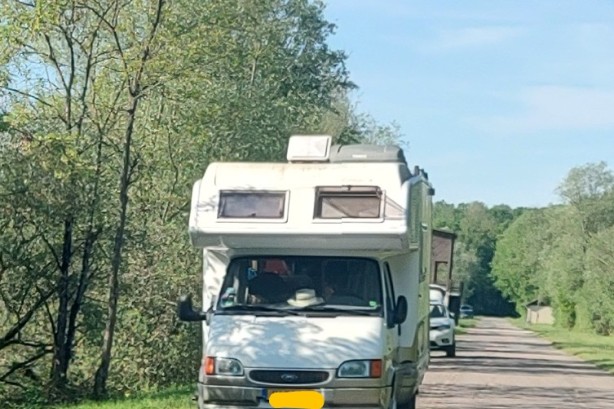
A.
x: 442, y: 330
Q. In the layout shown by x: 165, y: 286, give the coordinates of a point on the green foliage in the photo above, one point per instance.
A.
x: 562, y: 254
x: 477, y: 228
x: 465, y: 323
x: 517, y: 266
x: 598, y: 277
x: 80, y: 79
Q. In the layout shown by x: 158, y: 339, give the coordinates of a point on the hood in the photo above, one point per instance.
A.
x: 295, y: 341
x: 436, y: 322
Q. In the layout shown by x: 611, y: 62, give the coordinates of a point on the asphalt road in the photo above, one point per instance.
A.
x: 499, y: 366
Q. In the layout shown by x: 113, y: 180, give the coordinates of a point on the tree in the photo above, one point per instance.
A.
x: 599, y: 282
x: 115, y: 108
x: 518, y: 265
x: 477, y: 230
x: 590, y: 189
x: 564, y: 264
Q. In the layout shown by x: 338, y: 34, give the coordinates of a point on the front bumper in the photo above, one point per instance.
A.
x: 240, y: 397
x: 441, y: 338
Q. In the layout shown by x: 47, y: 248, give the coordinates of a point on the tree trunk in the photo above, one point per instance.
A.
x: 85, y: 275
x: 60, y: 360
x: 100, y: 382
x: 136, y: 90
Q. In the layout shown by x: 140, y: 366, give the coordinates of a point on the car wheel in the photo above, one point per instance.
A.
x: 451, y: 350
x: 410, y: 404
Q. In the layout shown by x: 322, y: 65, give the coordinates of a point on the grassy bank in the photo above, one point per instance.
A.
x: 596, y: 349
x: 180, y: 398
x: 465, y: 323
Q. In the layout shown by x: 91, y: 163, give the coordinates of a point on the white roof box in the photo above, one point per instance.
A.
x: 309, y: 148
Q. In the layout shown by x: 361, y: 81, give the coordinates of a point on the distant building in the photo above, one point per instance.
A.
x: 539, y: 313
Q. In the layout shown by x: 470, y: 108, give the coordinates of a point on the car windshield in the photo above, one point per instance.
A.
x: 282, y: 285
x: 437, y: 311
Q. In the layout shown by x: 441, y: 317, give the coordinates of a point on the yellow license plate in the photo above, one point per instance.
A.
x: 269, y: 392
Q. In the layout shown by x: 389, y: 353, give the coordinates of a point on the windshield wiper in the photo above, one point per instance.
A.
x: 257, y: 308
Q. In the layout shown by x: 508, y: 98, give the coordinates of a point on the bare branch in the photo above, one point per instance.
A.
x: 50, y: 317
x: 28, y: 95
x: 13, y: 331
x: 24, y: 364
x: 112, y: 28
x: 26, y: 344
x: 51, y: 249
x: 27, y: 4
x: 71, y: 77
x: 54, y: 60
x: 14, y: 384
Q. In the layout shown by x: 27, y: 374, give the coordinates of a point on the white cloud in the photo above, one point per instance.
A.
x: 560, y: 108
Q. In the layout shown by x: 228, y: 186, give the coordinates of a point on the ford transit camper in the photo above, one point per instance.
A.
x: 316, y: 277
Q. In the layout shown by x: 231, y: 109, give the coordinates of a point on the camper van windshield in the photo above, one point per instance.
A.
x: 287, y: 285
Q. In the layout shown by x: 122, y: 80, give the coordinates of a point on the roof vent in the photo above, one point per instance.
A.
x: 309, y: 148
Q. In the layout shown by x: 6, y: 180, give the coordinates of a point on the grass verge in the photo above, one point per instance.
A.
x: 179, y: 398
x: 465, y: 323
x: 593, y: 348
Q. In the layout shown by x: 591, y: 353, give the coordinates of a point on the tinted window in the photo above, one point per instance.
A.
x: 363, y: 202
x: 249, y: 204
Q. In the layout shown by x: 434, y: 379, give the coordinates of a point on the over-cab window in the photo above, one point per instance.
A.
x: 251, y: 204
x: 362, y: 202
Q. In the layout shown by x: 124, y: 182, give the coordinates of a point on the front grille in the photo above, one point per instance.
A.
x: 288, y: 377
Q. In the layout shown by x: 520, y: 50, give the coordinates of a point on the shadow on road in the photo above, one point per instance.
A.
x: 498, y: 367
x: 466, y: 396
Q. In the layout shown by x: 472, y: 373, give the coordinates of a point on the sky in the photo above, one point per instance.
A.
x: 497, y: 99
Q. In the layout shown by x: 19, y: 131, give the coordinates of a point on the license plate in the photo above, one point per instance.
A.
x: 269, y: 392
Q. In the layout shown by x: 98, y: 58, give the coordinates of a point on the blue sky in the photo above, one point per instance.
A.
x: 497, y: 99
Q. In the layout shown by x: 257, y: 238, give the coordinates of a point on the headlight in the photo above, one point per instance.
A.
x: 223, y: 366
x: 368, y: 368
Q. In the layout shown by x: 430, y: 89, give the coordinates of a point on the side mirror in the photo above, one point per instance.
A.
x: 186, y: 311
x: 400, y: 310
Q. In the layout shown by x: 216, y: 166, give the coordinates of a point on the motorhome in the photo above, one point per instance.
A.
x: 444, y: 288
x: 315, y: 277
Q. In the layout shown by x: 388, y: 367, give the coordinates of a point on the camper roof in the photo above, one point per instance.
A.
x: 354, y: 198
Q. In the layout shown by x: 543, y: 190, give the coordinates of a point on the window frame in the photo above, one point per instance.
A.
x: 333, y: 191
x: 284, y: 194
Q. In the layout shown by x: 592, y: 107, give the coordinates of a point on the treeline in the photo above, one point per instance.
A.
x: 560, y: 255
x: 109, y: 111
x: 477, y: 227
x: 563, y: 256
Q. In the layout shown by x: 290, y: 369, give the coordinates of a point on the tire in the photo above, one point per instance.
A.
x: 451, y: 350
x: 410, y: 404
x: 394, y: 404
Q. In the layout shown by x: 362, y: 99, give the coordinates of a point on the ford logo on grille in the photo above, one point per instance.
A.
x: 288, y: 377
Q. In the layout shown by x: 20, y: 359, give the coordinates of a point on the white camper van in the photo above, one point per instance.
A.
x: 315, y: 277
